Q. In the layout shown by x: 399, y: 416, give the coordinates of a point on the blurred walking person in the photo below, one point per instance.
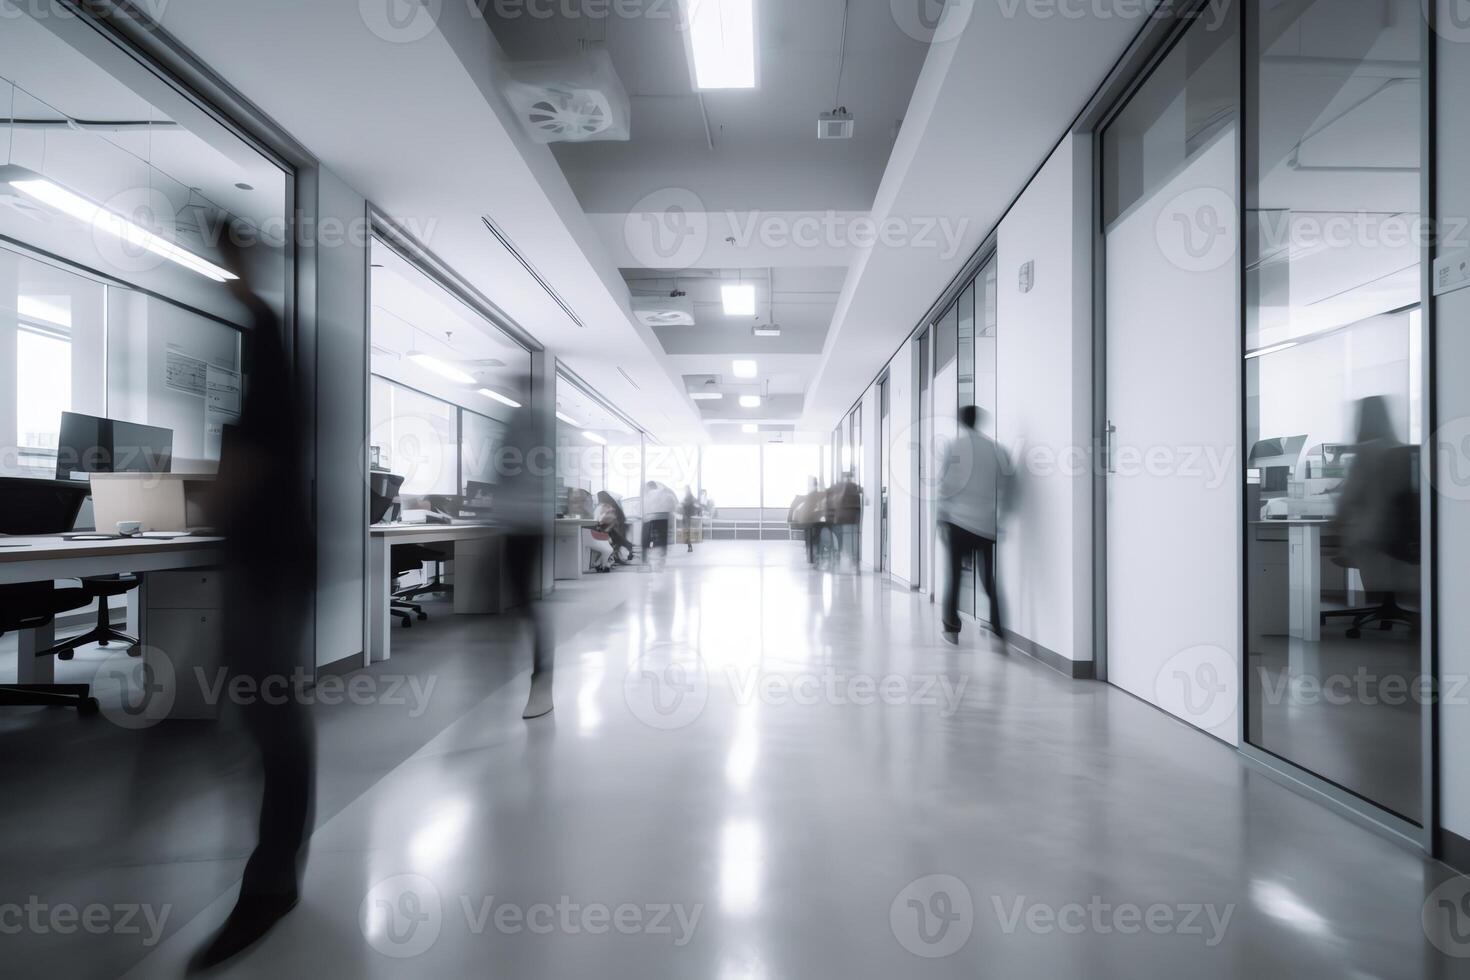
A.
x: 968, y: 509
x: 689, y: 508
x: 659, y: 507
x: 259, y: 503
x: 523, y: 509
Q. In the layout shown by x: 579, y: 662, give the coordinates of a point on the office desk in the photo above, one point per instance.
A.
x: 478, y: 589
x: 569, y: 557
x: 1304, y: 574
x: 175, y: 610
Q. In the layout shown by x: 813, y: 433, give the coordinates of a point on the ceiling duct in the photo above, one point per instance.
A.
x: 574, y: 100
x: 664, y: 311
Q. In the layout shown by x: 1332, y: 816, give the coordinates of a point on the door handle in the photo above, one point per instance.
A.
x: 1108, y: 434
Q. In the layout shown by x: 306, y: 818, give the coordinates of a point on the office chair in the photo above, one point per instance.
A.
x: 409, y: 558
x: 104, y: 633
x: 29, y: 606
x: 1387, y: 614
x: 437, y: 557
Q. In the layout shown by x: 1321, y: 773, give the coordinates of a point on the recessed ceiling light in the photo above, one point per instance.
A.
x: 745, y: 369
x: 431, y: 363
x: 739, y: 299
x: 721, y: 42
x: 750, y: 401
x: 497, y: 396
x: 569, y: 420
x: 594, y: 437
x: 706, y: 396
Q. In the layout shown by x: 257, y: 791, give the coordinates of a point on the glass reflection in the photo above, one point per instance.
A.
x: 1334, y: 389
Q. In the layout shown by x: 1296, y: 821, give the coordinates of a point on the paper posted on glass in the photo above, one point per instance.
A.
x: 182, y: 372
x: 221, y: 405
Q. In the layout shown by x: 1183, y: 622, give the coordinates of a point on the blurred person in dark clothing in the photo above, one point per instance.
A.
x: 968, y: 508
x: 659, y: 507
x: 689, y: 510
x: 523, y: 507
x: 259, y: 504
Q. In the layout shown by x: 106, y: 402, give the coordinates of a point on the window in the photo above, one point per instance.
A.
x: 788, y: 471
x: 417, y: 437
x: 674, y: 466
x: 732, y: 475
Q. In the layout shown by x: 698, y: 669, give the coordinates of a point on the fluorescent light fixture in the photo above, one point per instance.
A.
x: 721, y: 42
x: 594, y: 437
x: 739, y: 299
x: 1273, y: 349
x: 706, y: 396
x: 497, y: 396
x: 750, y: 428
x: 78, y: 207
x: 569, y: 420
x: 745, y: 369
x: 431, y: 363
x: 750, y: 401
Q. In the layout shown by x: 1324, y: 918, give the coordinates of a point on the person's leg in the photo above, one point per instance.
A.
x: 954, y: 543
x: 521, y: 565
x: 987, y: 548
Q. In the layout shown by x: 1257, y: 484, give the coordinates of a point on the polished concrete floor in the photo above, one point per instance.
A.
x: 754, y: 770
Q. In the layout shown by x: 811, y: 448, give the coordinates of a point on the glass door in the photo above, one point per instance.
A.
x: 1334, y: 384
x: 885, y: 431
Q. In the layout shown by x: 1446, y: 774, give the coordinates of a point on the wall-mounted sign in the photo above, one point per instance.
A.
x: 1452, y: 272
x: 1028, y: 277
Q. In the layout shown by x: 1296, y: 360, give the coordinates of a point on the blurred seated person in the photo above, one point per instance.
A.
x: 614, y: 523
x: 601, y: 549
x: 1378, y: 514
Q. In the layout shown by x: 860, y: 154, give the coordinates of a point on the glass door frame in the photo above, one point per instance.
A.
x: 1147, y: 51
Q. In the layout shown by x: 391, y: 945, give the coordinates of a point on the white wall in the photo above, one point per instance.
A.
x: 1452, y: 314
x: 901, y: 454
x: 1044, y: 406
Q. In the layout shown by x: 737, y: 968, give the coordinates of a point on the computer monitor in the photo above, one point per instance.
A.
x: 383, y: 490
x: 89, y: 444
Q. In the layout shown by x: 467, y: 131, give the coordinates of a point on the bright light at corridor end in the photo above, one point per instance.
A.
x: 721, y: 42
x: 745, y: 369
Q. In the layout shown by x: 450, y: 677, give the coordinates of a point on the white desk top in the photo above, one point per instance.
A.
x: 52, y: 557
x: 44, y: 547
x: 433, y: 532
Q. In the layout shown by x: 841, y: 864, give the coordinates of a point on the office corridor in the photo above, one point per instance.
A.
x: 758, y: 770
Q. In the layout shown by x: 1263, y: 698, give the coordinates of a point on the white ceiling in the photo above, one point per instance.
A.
x: 422, y: 129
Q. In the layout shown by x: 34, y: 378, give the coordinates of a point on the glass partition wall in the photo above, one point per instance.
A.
x: 1334, y: 392
x: 446, y: 382
x: 597, y: 450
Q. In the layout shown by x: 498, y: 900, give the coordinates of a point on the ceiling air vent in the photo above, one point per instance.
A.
x: 576, y: 100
